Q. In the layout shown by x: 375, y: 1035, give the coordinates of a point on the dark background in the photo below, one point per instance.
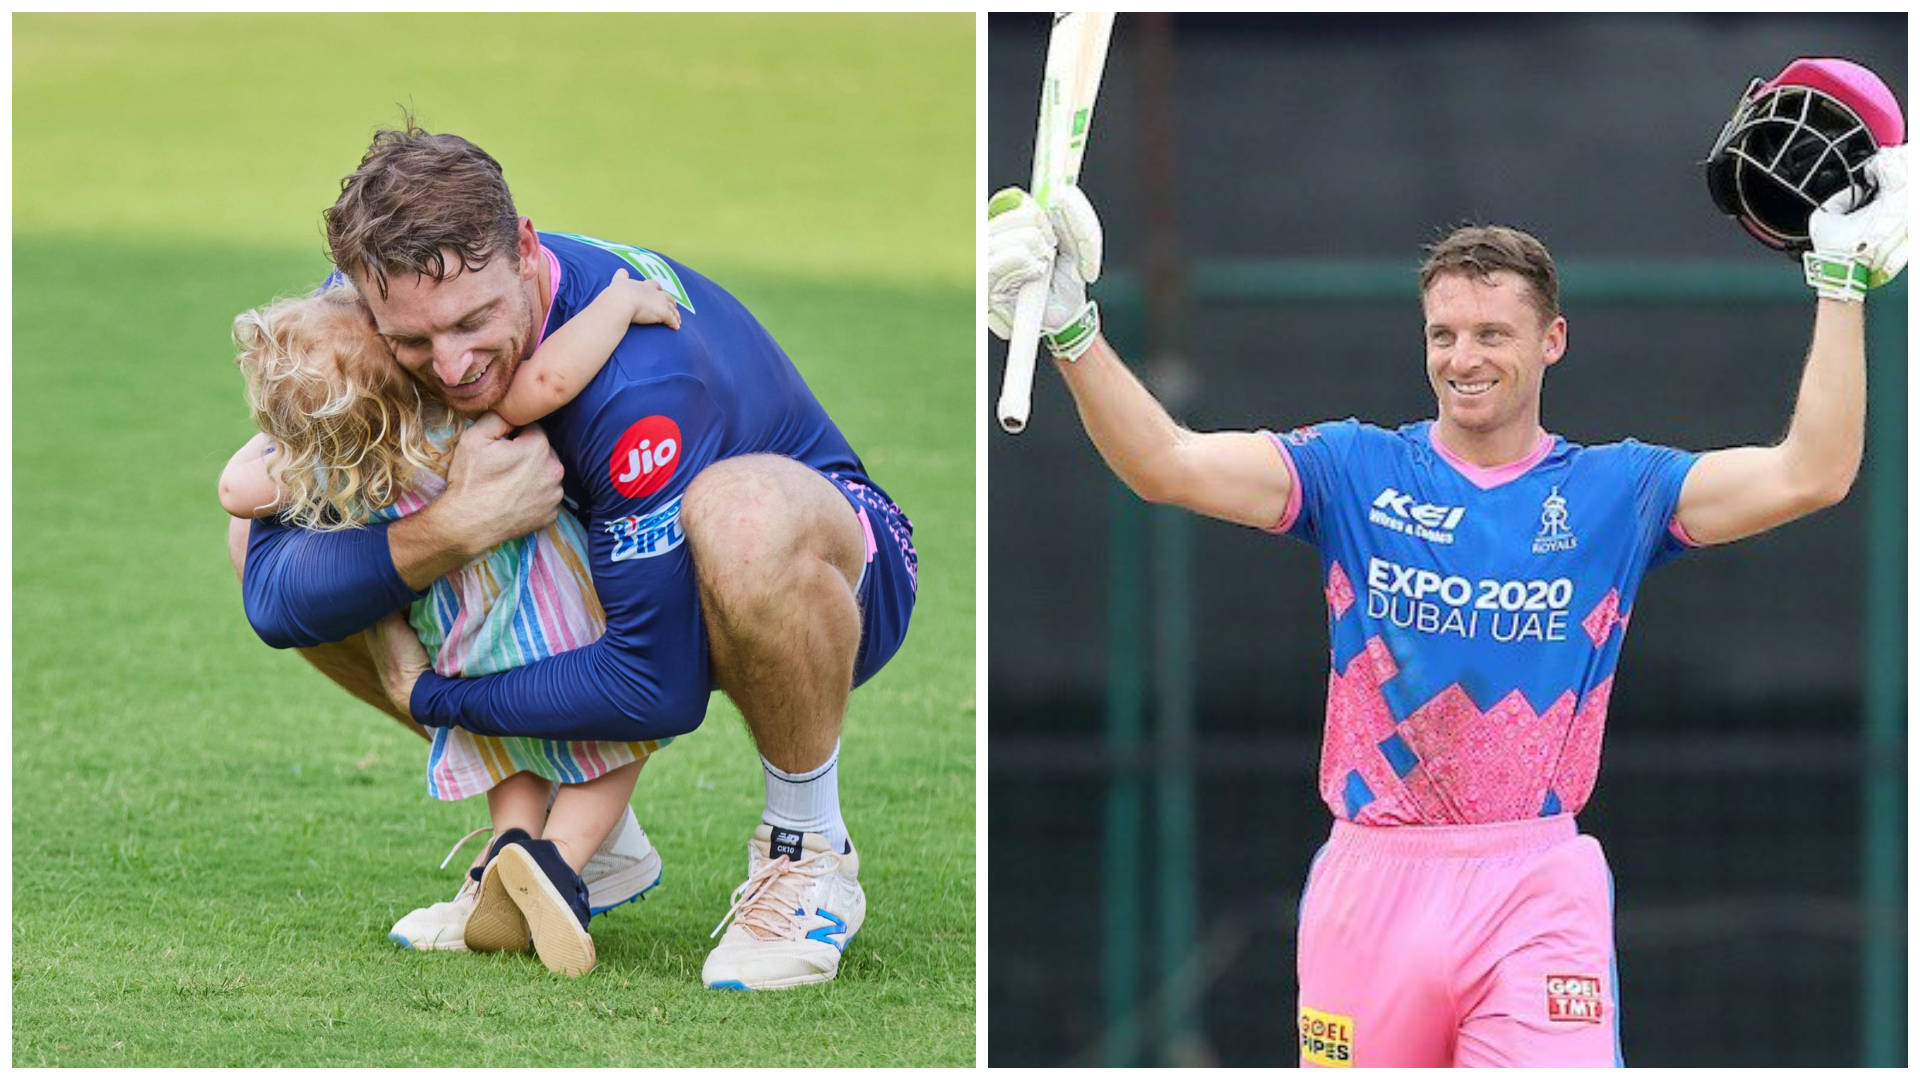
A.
x: 1734, y: 785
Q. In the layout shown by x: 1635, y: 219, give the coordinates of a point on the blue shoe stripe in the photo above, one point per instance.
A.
x: 730, y: 984
x: 825, y: 933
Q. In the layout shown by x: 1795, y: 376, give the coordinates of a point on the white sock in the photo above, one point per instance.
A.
x: 807, y: 802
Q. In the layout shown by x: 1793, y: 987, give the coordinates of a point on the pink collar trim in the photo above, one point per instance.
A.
x: 553, y: 291
x: 1485, y: 477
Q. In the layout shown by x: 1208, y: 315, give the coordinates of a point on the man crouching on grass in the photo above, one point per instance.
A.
x: 735, y: 540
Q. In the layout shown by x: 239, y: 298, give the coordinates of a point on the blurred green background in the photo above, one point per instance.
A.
x: 210, y: 841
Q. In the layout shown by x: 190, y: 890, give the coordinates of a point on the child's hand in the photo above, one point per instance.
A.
x: 651, y: 304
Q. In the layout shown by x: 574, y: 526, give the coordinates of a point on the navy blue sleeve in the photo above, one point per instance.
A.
x: 306, y: 588
x: 647, y: 677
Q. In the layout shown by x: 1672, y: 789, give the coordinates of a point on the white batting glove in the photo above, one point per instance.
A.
x: 1020, y: 243
x: 1021, y: 239
x: 1078, y: 229
x: 1864, y: 247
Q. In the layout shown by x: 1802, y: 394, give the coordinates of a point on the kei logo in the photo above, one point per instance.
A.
x: 644, y: 458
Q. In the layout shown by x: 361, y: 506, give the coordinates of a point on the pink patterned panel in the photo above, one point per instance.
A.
x: 1357, y: 720
x: 1487, y: 766
x: 1339, y: 592
x: 1579, y: 764
x: 1600, y: 621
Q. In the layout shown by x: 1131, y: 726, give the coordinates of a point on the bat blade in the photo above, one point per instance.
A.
x: 1076, y: 56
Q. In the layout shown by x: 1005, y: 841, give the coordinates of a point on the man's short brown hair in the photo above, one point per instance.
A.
x: 415, y: 197
x: 1479, y: 251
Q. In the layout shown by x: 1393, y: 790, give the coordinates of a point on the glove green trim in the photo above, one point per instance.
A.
x: 1068, y: 342
x: 1836, y: 279
x: 1004, y: 200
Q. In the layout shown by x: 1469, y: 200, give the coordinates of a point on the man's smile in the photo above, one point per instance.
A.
x: 476, y: 376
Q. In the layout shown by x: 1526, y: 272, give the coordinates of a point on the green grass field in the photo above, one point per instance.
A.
x: 209, y: 840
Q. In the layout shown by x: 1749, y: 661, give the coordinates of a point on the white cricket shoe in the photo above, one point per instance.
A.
x: 440, y: 926
x: 624, y: 869
x: 791, y: 919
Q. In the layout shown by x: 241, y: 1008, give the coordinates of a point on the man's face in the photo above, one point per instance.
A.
x: 1487, y: 350
x: 462, y: 337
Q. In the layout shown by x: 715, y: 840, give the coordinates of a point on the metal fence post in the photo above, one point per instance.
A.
x: 1883, y: 948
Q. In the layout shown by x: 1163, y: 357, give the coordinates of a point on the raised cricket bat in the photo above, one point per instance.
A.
x: 1076, y: 54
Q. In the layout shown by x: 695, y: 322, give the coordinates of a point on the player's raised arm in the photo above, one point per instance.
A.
x: 1235, y: 476
x: 573, y: 354
x: 1731, y: 494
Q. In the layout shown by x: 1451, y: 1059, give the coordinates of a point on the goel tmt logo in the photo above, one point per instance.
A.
x: 1574, y: 998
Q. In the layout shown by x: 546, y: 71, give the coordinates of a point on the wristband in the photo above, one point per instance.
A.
x: 1836, y: 279
x: 1068, y: 342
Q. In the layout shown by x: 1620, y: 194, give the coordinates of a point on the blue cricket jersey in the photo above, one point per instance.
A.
x: 1475, y: 615
x: 667, y: 404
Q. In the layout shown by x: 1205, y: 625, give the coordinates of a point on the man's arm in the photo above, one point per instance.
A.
x: 1732, y: 494
x: 303, y: 588
x: 1236, y: 476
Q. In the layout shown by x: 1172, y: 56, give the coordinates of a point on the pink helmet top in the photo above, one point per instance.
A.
x: 1853, y: 86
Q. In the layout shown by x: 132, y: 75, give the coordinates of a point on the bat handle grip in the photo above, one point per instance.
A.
x: 1016, y: 387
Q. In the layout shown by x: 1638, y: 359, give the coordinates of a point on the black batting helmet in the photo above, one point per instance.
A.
x: 1797, y: 140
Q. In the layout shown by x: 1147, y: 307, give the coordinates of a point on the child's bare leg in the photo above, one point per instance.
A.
x: 519, y: 802
x: 583, y: 814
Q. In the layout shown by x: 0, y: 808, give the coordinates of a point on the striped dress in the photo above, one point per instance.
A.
x: 522, y: 601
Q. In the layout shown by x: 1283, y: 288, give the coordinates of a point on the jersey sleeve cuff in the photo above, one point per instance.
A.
x: 1679, y: 532
x: 1291, y: 512
x: 427, y: 690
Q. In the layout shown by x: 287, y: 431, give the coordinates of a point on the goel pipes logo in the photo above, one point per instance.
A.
x: 1326, y: 1039
x: 1574, y: 997
x: 644, y: 458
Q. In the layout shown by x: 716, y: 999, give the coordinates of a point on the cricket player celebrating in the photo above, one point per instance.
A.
x: 1480, y: 574
x: 735, y: 539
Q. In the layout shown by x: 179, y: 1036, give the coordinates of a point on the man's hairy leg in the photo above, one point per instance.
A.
x: 778, y: 553
x: 347, y: 663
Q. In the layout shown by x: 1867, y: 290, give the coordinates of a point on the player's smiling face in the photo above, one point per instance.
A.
x: 1487, y: 351
x: 463, y: 337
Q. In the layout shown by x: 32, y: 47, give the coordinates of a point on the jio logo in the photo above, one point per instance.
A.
x: 644, y: 458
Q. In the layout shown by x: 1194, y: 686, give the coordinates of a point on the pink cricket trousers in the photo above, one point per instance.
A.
x: 1465, y: 945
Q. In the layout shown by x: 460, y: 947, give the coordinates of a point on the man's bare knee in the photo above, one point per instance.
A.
x: 757, y: 516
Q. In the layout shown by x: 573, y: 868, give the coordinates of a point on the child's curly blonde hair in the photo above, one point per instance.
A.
x: 352, y: 432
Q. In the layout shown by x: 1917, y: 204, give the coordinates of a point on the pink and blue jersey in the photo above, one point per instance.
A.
x: 1476, y: 615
